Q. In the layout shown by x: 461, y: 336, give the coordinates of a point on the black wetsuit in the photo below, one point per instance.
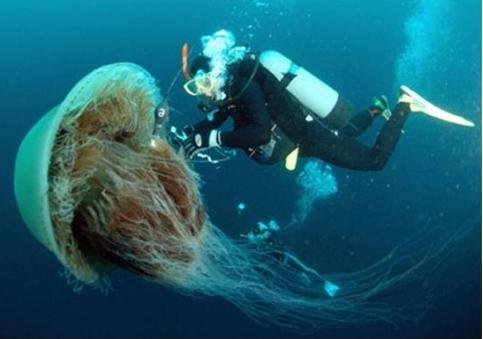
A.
x: 264, y: 102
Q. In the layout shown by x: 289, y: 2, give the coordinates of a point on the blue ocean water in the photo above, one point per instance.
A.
x: 361, y: 49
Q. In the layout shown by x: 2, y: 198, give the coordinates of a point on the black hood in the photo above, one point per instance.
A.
x: 200, y: 62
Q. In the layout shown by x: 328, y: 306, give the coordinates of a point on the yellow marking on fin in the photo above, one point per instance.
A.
x: 291, y: 160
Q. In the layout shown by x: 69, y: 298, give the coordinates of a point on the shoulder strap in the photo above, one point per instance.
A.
x: 290, y: 75
x: 240, y: 93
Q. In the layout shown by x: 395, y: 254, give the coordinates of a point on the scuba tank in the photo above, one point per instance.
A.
x: 318, y: 100
x: 325, y: 104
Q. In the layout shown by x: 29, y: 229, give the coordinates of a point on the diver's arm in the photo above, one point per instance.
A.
x: 245, y: 137
x: 251, y: 115
x: 212, y: 121
x: 255, y: 129
x: 204, y: 134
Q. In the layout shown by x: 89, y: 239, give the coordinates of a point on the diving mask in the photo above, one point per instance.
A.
x: 201, y: 84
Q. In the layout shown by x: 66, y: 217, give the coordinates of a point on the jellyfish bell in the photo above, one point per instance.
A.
x: 91, y: 181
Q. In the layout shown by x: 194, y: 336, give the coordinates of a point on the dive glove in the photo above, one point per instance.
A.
x: 199, y: 141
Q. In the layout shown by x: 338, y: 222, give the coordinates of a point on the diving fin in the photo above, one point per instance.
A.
x: 418, y: 104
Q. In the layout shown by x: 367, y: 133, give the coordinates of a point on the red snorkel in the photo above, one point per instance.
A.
x: 184, y: 61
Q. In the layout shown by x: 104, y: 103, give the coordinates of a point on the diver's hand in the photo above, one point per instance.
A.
x: 176, y: 137
x: 179, y: 137
x: 200, y: 141
x: 189, y: 130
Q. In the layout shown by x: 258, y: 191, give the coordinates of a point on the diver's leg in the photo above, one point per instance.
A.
x: 358, y: 124
x: 361, y: 122
x: 391, y: 131
x: 344, y: 151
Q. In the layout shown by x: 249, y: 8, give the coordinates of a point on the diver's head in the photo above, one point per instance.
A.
x: 209, y: 75
x: 202, y: 82
x: 201, y: 62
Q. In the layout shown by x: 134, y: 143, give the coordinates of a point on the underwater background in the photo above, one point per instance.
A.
x: 360, y: 48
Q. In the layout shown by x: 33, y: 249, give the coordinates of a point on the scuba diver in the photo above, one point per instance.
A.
x: 280, y: 111
x: 264, y: 237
